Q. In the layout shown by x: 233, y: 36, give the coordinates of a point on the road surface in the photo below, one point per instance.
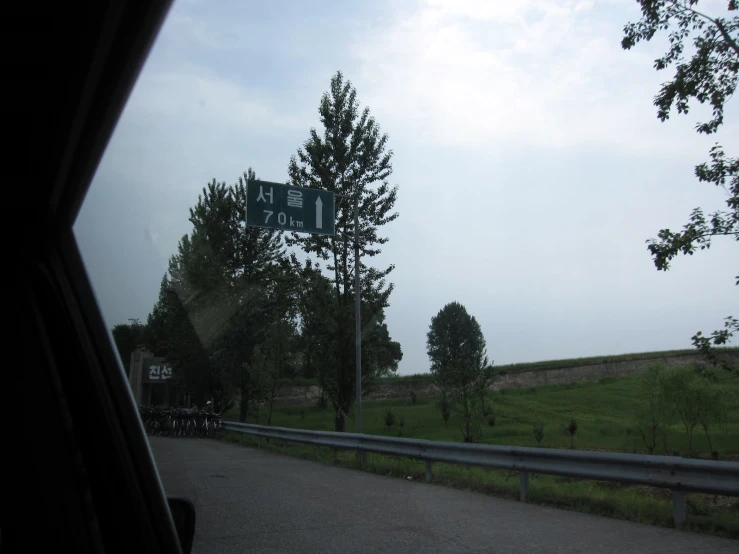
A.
x: 248, y: 500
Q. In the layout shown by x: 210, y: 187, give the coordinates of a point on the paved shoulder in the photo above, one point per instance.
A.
x: 248, y: 500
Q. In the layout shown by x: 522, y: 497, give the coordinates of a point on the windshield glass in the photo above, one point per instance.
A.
x: 467, y: 222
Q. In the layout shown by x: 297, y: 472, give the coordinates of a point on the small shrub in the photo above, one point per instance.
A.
x: 491, y: 421
x: 571, y: 430
x: 389, y: 418
x: 610, y: 485
x: 413, y: 397
x: 696, y: 508
x: 322, y: 402
x: 302, y: 415
x: 401, y: 424
x: 487, y: 409
x: 538, y: 431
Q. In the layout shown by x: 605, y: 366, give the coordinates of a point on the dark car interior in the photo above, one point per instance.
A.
x: 82, y: 478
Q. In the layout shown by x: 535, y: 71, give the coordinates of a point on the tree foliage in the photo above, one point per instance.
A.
x: 654, y: 412
x: 685, y: 396
x: 715, y: 414
x: 236, y: 316
x: 459, y: 366
x: 128, y: 337
x: 214, y: 301
x: 350, y: 158
x: 690, y: 396
x: 708, y: 75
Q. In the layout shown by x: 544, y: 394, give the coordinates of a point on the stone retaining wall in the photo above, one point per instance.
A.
x: 399, y: 389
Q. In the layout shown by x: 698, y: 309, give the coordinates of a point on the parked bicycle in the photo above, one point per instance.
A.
x: 180, y: 422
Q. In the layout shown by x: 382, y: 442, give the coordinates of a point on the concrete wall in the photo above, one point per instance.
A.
x: 524, y: 379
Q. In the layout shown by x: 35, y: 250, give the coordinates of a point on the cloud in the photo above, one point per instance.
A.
x: 479, y: 74
x: 530, y: 161
x: 195, y: 97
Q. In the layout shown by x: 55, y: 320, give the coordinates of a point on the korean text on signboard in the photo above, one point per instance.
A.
x: 279, y: 206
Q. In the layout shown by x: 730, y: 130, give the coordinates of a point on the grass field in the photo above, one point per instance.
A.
x: 603, y: 413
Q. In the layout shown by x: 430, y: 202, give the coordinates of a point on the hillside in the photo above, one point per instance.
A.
x: 521, y: 375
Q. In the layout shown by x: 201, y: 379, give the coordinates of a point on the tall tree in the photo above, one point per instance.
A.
x: 459, y: 365
x: 653, y: 412
x: 170, y: 333
x: 351, y: 159
x: 280, y: 336
x: 213, y: 302
x: 707, y: 75
x: 128, y: 337
x: 319, y: 327
x: 380, y: 354
x: 258, y: 255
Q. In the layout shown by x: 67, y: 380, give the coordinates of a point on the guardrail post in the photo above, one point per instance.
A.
x: 362, y: 458
x: 259, y: 441
x: 283, y: 443
x: 524, y: 485
x: 678, y: 508
x: 428, y: 471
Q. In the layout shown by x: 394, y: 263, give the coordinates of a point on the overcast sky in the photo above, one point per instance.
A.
x: 530, y: 163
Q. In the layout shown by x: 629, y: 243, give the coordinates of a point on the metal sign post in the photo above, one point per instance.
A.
x: 358, y: 318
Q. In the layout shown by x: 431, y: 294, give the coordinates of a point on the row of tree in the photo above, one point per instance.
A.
x: 238, y: 311
x: 684, y: 396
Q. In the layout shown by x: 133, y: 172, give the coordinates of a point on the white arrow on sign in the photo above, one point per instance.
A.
x: 319, y: 213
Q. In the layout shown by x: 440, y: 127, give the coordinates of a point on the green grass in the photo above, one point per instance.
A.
x: 602, y: 410
x: 603, y: 413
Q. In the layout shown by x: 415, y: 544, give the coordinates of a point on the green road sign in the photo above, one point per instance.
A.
x: 289, y: 208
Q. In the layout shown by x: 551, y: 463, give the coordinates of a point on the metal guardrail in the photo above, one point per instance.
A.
x: 680, y: 475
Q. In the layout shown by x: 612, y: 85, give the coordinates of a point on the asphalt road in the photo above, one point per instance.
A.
x: 248, y: 500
